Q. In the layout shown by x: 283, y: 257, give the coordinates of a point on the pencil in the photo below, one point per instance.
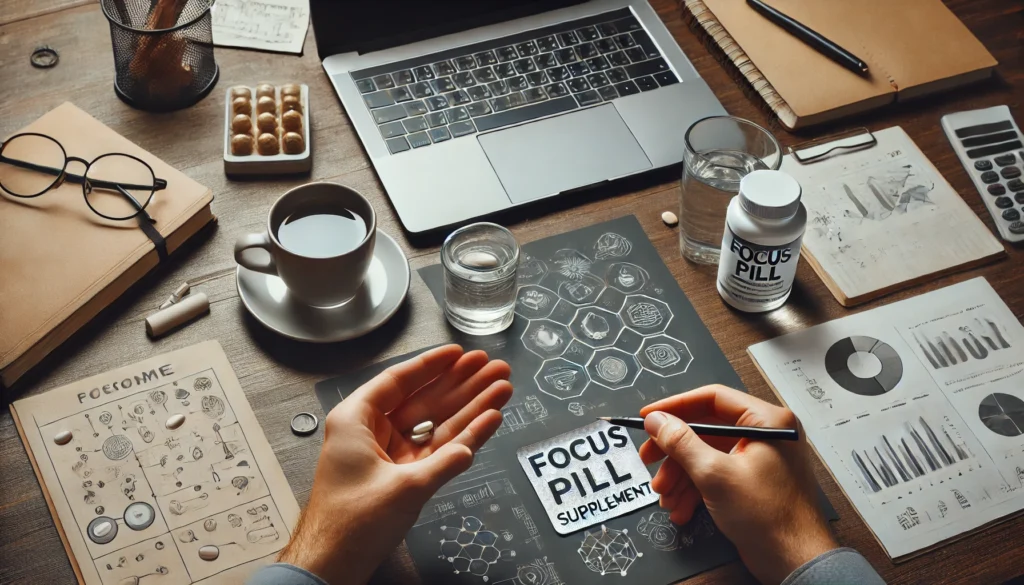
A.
x: 636, y: 422
x: 812, y: 38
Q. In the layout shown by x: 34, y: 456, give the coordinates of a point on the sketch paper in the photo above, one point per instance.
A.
x: 268, y: 25
x: 916, y: 407
x: 587, y: 476
x: 882, y: 218
x: 159, y: 473
x: 601, y: 329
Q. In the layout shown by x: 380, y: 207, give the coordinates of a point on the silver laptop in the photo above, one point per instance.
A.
x: 462, y: 120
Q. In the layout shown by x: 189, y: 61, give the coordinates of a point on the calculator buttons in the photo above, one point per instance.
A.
x: 1011, y: 215
x: 1004, y: 202
x: 1004, y: 159
x: 983, y: 165
x: 989, y: 177
x: 1017, y: 228
x: 996, y: 189
x: 1010, y: 172
x: 1015, y: 185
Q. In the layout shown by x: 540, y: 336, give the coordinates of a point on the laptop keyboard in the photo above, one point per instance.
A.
x: 456, y: 93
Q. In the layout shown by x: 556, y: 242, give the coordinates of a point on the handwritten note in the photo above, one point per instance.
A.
x: 268, y: 25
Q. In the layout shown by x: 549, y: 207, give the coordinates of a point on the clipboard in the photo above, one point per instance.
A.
x: 834, y: 145
x: 880, y: 216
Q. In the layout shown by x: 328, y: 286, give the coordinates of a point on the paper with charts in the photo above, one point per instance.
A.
x: 158, y: 473
x: 884, y: 218
x: 268, y: 25
x: 916, y: 407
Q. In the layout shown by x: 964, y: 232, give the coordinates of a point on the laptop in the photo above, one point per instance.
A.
x: 467, y: 109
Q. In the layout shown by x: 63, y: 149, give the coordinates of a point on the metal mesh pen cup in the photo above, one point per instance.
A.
x: 163, y: 51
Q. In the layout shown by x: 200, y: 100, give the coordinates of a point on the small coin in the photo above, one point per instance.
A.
x: 304, y: 424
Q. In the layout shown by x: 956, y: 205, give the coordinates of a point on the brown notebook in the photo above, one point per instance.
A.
x: 60, y: 263
x: 912, y: 48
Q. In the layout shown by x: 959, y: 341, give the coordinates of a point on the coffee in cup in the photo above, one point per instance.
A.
x: 319, y: 240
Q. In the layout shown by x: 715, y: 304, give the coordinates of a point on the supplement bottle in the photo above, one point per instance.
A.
x: 763, y: 229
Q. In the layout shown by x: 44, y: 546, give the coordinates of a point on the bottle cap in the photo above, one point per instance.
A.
x: 770, y: 194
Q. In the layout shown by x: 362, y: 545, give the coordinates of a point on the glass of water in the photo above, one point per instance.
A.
x: 720, y: 151
x: 480, y: 262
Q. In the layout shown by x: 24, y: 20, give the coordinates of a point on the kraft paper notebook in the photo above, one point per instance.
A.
x: 912, y: 48
x: 62, y: 263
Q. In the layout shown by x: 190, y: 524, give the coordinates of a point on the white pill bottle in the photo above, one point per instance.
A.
x: 763, y: 229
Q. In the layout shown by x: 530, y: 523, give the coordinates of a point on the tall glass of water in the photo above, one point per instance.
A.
x: 480, y: 262
x: 720, y: 151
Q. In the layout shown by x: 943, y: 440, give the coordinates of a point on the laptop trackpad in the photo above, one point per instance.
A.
x: 564, y: 152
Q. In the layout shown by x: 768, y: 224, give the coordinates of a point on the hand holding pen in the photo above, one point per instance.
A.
x: 761, y: 494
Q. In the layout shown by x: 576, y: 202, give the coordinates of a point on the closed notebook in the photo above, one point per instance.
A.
x: 60, y: 263
x: 912, y: 48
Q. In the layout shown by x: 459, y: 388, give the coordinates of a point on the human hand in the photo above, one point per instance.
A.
x: 371, y: 480
x: 761, y: 494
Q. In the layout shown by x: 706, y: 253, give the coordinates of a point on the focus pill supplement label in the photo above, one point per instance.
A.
x: 754, y: 278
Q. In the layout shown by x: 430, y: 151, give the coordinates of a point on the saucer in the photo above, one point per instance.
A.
x: 383, y: 290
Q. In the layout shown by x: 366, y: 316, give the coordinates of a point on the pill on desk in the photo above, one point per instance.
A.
x: 479, y: 260
x: 175, y: 421
x: 209, y: 552
x: 62, y: 438
x: 178, y: 314
x: 669, y: 218
x: 423, y: 427
x: 421, y: 438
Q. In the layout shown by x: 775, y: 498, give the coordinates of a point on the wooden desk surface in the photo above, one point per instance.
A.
x: 278, y: 375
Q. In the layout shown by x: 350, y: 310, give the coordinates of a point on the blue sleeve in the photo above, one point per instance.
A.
x: 835, y: 567
x: 284, y: 574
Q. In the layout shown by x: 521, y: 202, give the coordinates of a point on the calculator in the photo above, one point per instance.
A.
x: 989, y: 144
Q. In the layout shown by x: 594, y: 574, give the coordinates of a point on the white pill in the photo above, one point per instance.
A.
x: 479, y: 260
x: 669, y: 218
x: 102, y: 529
x: 420, y: 438
x: 175, y: 421
x: 423, y: 427
x: 62, y: 438
x: 209, y: 553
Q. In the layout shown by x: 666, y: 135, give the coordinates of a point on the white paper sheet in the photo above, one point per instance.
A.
x: 923, y: 425
x: 268, y: 25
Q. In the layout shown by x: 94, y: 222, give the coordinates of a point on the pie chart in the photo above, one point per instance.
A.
x: 864, y: 365
x: 1003, y: 414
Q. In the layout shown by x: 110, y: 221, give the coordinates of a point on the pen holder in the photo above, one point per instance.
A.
x: 163, y: 51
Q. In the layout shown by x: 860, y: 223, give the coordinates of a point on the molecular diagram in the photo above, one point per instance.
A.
x: 608, y: 551
x: 471, y: 549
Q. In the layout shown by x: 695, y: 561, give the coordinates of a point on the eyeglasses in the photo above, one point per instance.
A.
x: 116, y: 186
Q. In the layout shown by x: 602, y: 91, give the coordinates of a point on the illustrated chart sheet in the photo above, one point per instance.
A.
x: 916, y: 407
x: 601, y: 328
x: 158, y: 473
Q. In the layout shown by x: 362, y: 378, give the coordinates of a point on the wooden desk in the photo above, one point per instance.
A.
x: 278, y: 375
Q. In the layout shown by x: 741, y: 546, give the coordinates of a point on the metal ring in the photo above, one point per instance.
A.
x: 44, y: 58
x: 304, y: 423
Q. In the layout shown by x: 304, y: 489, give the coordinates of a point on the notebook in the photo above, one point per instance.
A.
x: 912, y: 48
x: 61, y: 263
x: 880, y: 216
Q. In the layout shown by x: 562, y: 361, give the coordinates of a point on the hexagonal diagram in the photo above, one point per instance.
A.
x: 581, y: 291
x: 613, y: 368
x: 546, y: 338
x: 595, y: 326
x: 531, y: 270
x: 665, y: 356
x: 562, y: 379
x: 578, y: 352
x: 626, y: 277
x: 572, y: 264
x: 645, y: 314
x: 535, y: 302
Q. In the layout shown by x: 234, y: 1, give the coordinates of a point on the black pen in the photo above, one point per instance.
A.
x: 812, y: 38
x: 636, y: 422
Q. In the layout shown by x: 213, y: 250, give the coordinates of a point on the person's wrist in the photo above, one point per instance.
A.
x: 796, y: 547
x: 328, y: 553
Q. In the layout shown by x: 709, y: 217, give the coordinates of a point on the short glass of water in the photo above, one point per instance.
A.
x: 480, y: 262
x: 720, y: 151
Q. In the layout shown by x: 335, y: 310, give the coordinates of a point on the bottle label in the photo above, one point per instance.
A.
x: 753, y: 277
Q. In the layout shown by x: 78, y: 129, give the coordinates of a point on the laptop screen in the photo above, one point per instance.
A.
x: 341, y: 26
